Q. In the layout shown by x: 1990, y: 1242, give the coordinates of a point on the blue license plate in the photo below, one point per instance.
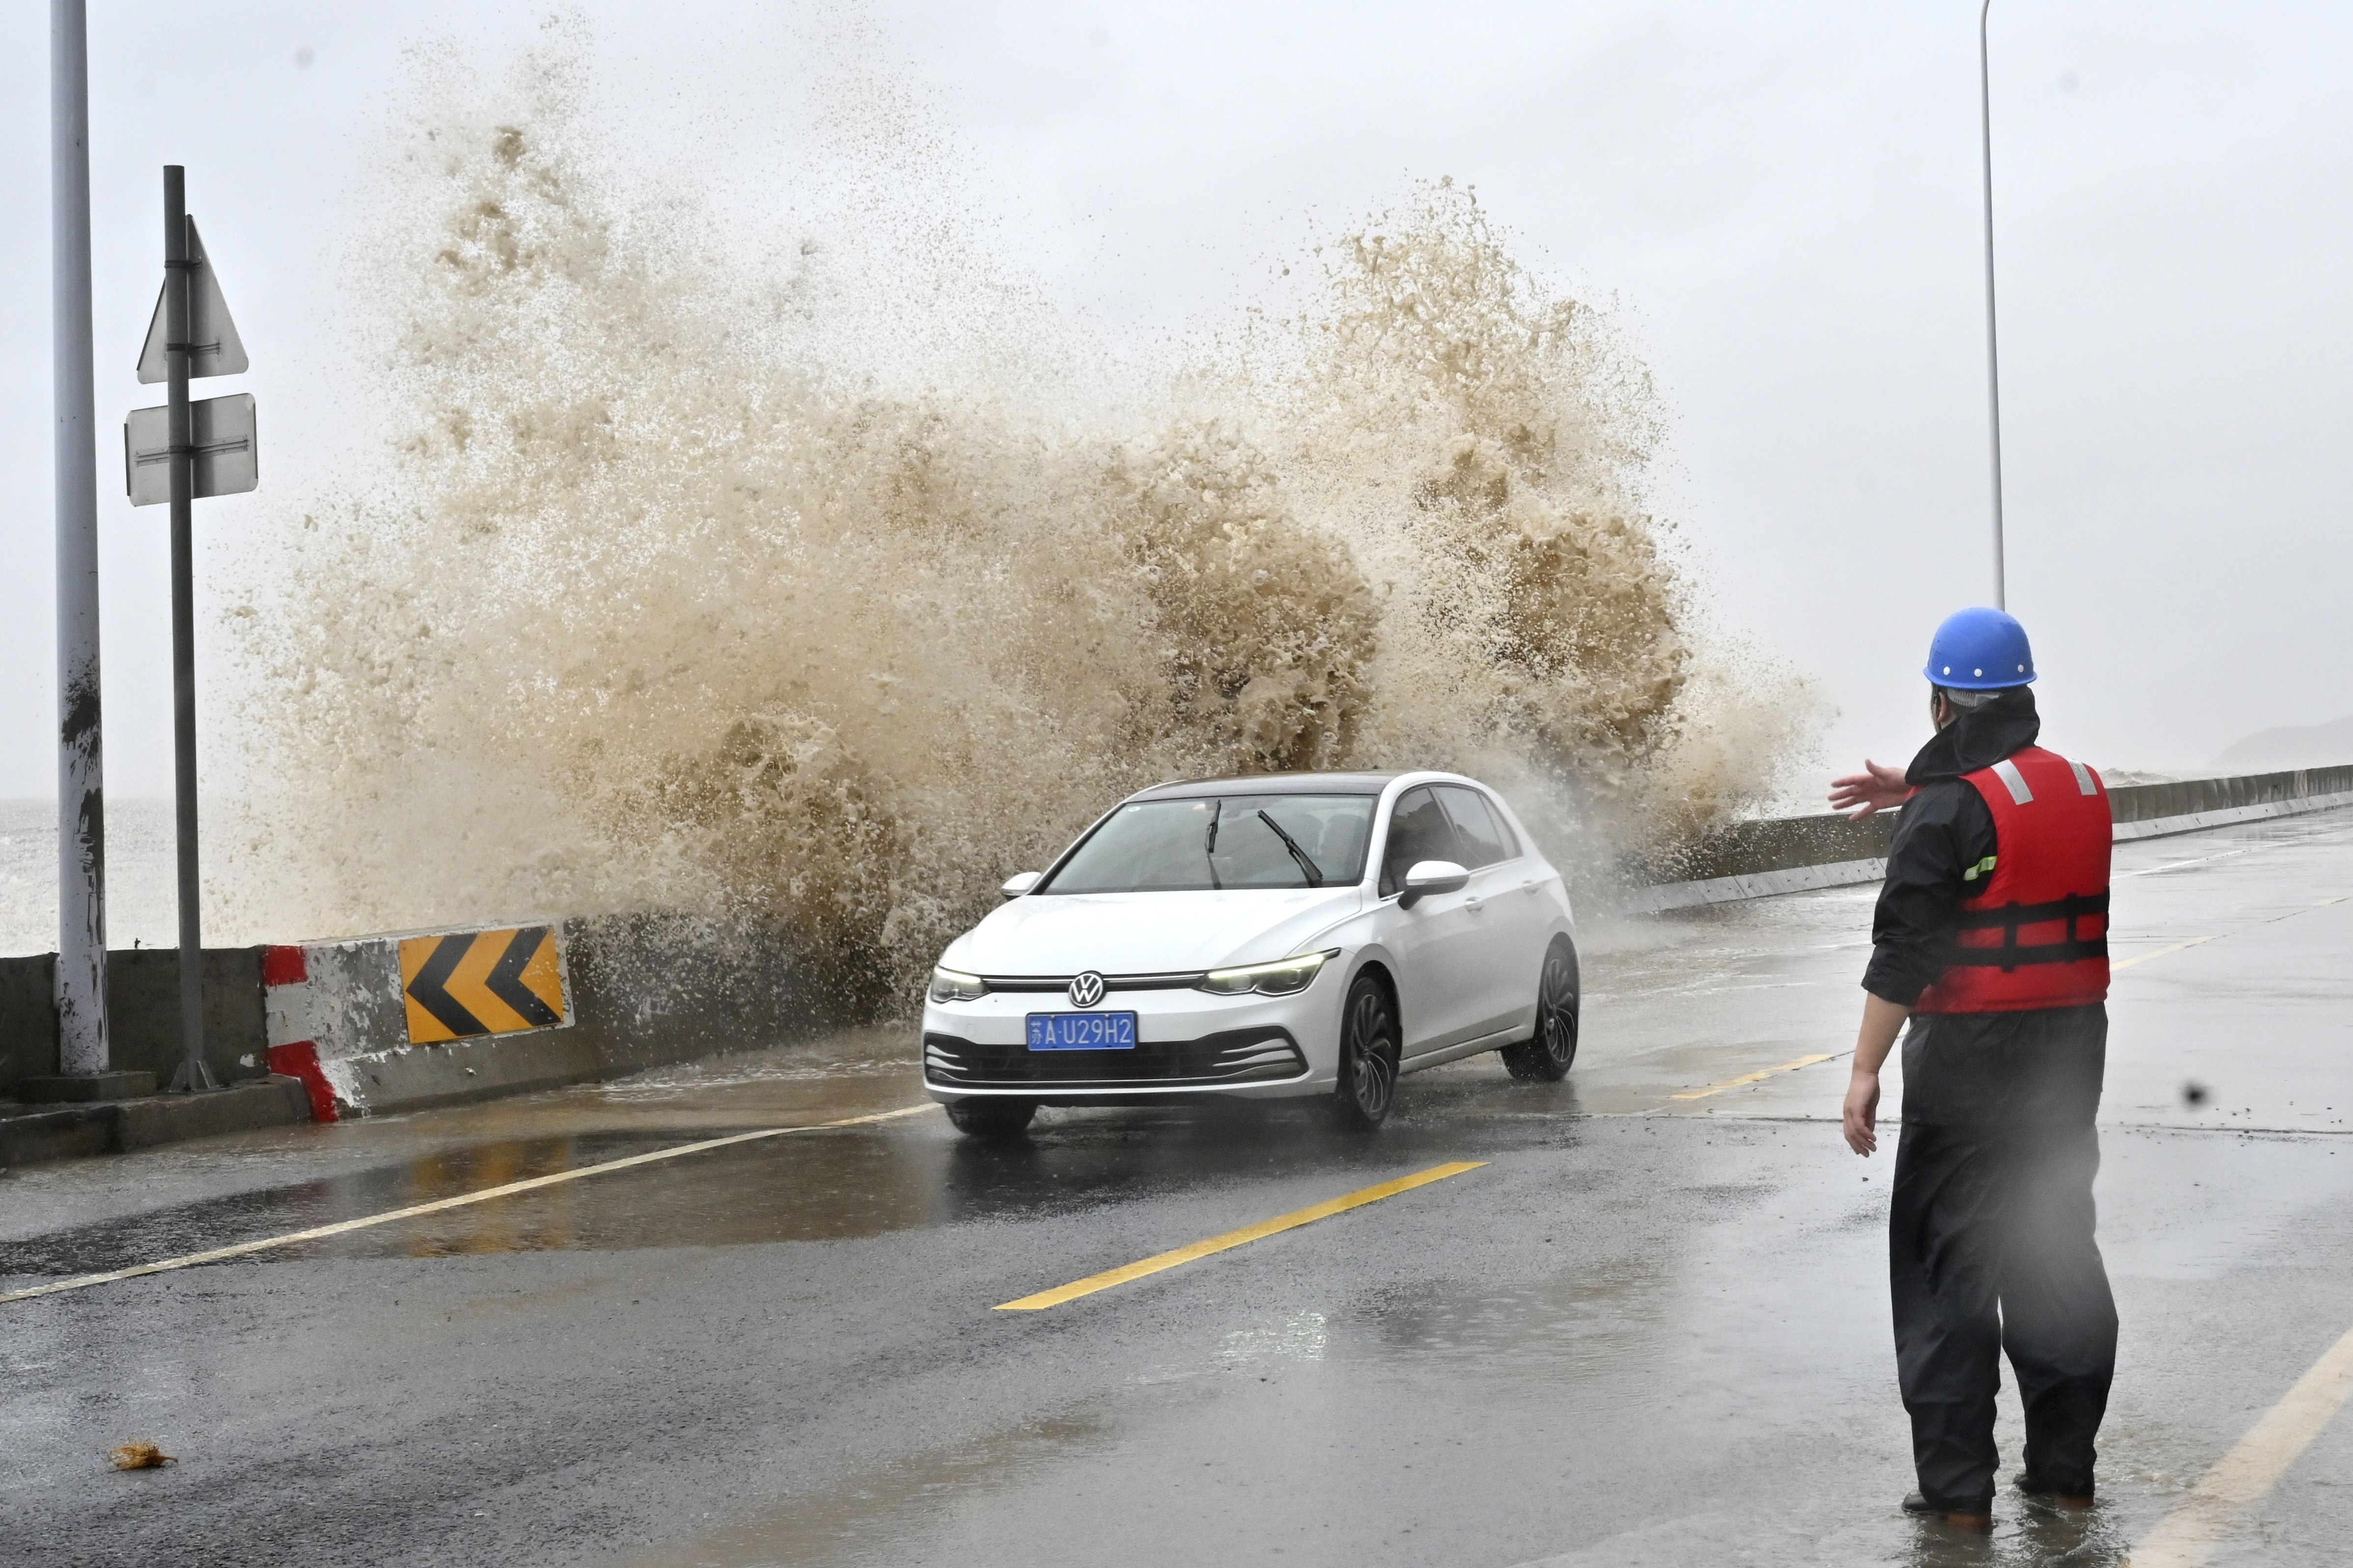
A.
x: 1083, y: 1031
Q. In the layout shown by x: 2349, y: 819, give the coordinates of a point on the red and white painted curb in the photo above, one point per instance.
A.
x: 327, y: 1004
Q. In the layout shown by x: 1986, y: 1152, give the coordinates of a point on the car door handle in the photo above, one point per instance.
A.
x: 1474, y: 906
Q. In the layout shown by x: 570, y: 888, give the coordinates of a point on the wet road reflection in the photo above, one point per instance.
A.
x: 2037, y: 1538
x: 827, y: 1185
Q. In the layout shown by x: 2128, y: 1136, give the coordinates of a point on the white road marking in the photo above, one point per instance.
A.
x: 2195, y: 860
x: 243, y: 1248
x: 2190, y: 1534
x: 2160, y: 952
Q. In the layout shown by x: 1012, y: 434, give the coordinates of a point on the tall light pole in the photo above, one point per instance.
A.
x: 81, y: 986
x: 1993, y: 338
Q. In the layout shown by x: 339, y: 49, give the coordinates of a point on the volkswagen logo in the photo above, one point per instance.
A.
x: 1086, y: 990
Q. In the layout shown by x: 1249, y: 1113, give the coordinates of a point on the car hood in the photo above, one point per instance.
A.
x: 1147, y: 934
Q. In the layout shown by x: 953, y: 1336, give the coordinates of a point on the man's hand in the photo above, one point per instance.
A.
x: 1862, y: 1113
x: 1882, y: 1021
x: 1874, y: 789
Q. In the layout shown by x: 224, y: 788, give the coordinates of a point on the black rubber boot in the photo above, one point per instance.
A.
x: 2030, y: 1486
x: 1978, y: 1517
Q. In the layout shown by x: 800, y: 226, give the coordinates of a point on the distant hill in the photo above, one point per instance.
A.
x: 2300, y: 746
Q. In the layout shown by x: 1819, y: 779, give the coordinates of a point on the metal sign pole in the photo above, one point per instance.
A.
x: 1993, y: 339
x: 80, y: 983
x: 192, y: 1074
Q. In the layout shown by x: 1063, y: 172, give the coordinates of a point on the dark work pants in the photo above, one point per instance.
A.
x: 1990, y: 1246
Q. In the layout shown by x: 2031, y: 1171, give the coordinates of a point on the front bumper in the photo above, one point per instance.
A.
x: 1188, y: 1044
x: 1214, y: 1061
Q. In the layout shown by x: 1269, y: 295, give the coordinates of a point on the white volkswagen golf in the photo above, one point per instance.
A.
x: 1271, y: 937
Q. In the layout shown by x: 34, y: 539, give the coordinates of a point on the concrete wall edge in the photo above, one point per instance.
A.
x: 1663, y: 896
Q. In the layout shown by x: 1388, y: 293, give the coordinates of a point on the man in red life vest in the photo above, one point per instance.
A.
x: 1990, y: 937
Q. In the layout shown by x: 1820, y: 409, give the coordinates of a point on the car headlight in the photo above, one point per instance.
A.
x: 954, y: 985
x: 1280, y: 978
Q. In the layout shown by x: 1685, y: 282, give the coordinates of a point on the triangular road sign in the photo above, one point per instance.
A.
x: 217, y: 350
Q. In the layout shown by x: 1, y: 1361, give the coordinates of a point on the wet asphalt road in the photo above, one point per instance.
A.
x: 1648, y: 1330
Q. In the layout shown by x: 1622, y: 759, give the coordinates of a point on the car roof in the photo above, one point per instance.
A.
x: 1272, y: 784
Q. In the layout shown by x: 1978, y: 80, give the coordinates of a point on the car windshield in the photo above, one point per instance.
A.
x: 1219, y: 842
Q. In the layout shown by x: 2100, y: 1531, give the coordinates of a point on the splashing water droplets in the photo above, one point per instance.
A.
x: 665, y: 602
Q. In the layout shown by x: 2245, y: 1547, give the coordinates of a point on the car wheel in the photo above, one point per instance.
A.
x: 1368, y: 1054
x: 992, y: 1118
x: 1546, y: 1054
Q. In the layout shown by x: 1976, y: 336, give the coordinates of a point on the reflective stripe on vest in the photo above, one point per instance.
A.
x: 2035, y: 933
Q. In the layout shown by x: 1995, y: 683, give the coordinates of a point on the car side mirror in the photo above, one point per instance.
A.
x: 1018, y: 884
x: 1427, y: 877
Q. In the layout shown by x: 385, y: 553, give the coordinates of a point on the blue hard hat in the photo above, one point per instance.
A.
x: 1979, y: 650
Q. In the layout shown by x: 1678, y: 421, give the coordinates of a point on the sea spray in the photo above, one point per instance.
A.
x: 669, y: 598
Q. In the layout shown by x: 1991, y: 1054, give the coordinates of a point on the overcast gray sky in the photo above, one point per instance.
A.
x: 1783, y: 200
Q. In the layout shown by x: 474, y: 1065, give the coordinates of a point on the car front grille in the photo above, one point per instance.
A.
x: 1173, y: 980
x: 1238, y: 1056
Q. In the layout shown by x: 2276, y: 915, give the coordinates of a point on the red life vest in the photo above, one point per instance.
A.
x: 2037, y: 935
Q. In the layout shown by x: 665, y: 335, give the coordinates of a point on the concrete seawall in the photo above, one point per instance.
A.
x: 142, y: 1004
x: 142, y: 997
x: 1788, y: 854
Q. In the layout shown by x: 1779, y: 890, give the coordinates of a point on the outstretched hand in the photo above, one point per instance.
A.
x: 1874, y: 789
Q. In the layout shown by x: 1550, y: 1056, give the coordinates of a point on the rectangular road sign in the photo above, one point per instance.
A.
x: 213, y: 347
x: 472, y: 982
x: 222, y: 431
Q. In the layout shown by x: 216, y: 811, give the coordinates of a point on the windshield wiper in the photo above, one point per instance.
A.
x: 1209, y: 850
x: 1315, y: 872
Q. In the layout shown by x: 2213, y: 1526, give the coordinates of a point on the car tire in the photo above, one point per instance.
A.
x: 994, y: 1120
x: 1545, y: 1057
x: 1368, y: 1054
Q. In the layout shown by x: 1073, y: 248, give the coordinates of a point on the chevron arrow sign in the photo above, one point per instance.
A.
x: 473, y: 982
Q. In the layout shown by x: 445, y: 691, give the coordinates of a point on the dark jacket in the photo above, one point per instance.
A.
x: 1944, y: 829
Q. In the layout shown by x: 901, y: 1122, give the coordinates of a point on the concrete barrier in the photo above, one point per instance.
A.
x: 142, y: 1005
x: 143, y: 999
x: 1788, y: 854
x: 340, y: 1017
x: 29, y: 1018
x: 343, y: 1018
x: 112, y: 1126
x: 639, y: 991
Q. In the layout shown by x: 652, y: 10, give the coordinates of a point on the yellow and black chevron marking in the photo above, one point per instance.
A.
x: 482, y: 983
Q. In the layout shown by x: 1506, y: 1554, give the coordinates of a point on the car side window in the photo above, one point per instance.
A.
x: 1419, y: 830
x: 1484, y: 838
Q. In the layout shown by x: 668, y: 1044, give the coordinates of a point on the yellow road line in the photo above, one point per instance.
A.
x: 1748, y: 1078
x: 1094, y: 1283
x: 2190, y: 1534
x: 243, y: 1248
x: 2160, y: 952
